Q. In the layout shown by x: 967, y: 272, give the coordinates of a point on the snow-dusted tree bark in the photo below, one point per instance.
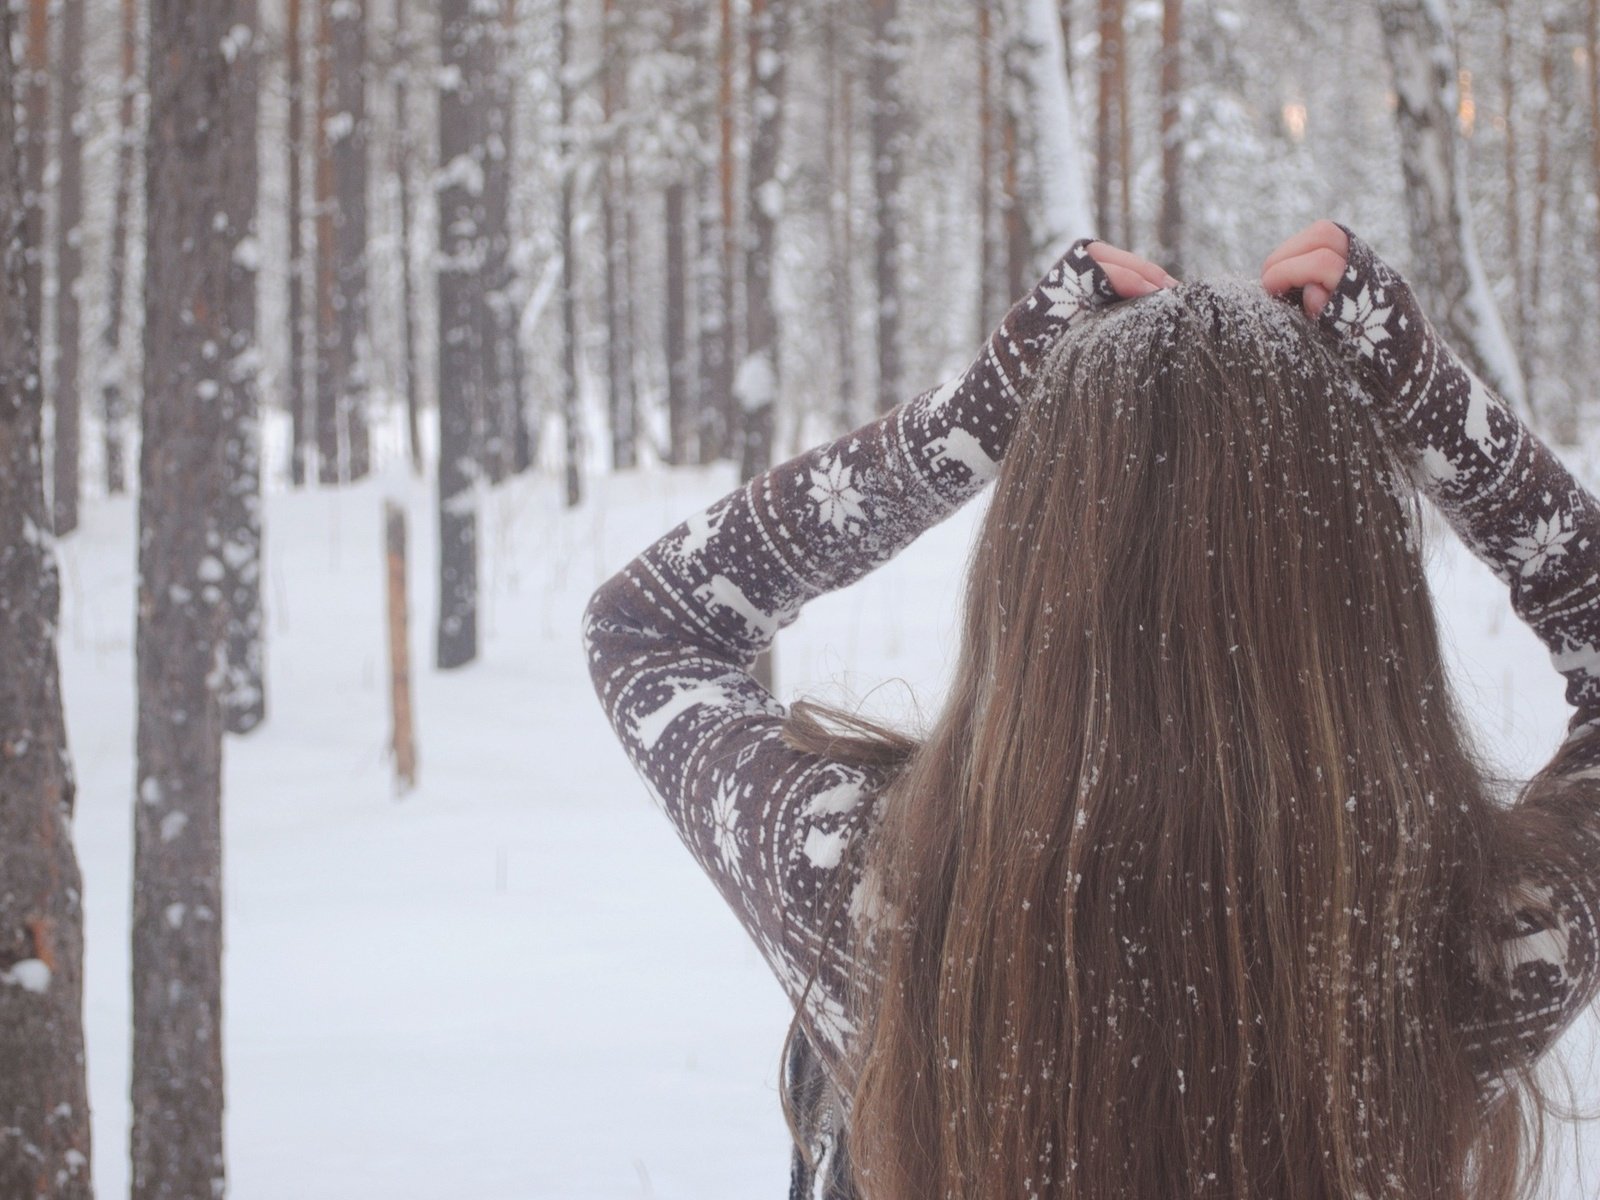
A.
x: 1445, y: 266
x: 402, y: 155
x: 621, y: 401
x: 756, y: 384
x: 886, y: 111
x: 347, y: 135
x: 460, y: 380
x: 113, y: 396
x: 1169, y: 227
x: 69, y: 265
x: 243, y: 685
x: 195, y: 152
x: 501, y: 386
x: 840, y: 158
x: 300, y: 417
x: 44, y: 1106
x: 35, y: 150
x: 715, y: 226
x: 570, y: 416
x: 1054, y: 183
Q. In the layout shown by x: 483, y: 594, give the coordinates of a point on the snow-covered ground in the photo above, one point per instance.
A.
x: 513, y: 983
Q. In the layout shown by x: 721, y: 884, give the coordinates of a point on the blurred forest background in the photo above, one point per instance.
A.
x: 253, y: 246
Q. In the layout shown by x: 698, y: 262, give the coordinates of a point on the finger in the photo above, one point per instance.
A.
x: 1316, y: 235
x: 1321, y: 265
x: 1127, y: 282
x: 1104, y: 252
x: 1314, y: 299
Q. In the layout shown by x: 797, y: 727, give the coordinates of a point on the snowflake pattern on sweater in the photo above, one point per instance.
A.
x: 672, y: 636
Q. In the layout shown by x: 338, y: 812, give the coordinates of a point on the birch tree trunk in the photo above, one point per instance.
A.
x: 44, y: 1106
x: 756, y: 384
x: 1445, y: 265
x: 244, y: 697
x: 196, y: 152
x: 887, y: 122
x: 1054, y: 182
x: 460, y: 379
x: 113, y: 395
x: 69, y: 265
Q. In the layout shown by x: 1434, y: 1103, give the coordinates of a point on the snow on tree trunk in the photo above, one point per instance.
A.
x: 756, y: 382
x: 1054, y: 180
x: 176, y: 1145
x: 460, y: 189
x: 44, y: 1107
x: 69, y: 265
x: 244, y: 698
x: 113, y: 398
x: 1444, y: 252
x: 886, y: 110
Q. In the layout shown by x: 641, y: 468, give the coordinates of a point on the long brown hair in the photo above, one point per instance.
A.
x: 1182, y: 885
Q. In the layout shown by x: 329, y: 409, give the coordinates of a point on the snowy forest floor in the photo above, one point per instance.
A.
x: 513, y: 983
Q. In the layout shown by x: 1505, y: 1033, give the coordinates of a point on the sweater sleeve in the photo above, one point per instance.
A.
x: 1520, y: 511
x: 672, y: 636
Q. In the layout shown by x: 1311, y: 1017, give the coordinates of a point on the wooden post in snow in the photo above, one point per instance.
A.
x: 403, y: 740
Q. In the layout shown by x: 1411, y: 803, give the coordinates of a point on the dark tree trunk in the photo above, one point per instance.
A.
x: 499, y: 327
x: 348, y: 110
x: 713, y: 231
x: 680, y: 416
x: 887, y: 122
x: 757, y: 382
x: 35, y: 150
x: 69, y: 266
x: 44, y: 1104
x: 1169, y: 229
x: 325, y: 325
x: 195, y: 153
x: 113, y: 397
x: 460, y: 379
x: 621, y: 402
x: 1446, y: 268
x: 299, y: 417
x: 404, y: 51
x: 244, y: 696
x: 569, y: 264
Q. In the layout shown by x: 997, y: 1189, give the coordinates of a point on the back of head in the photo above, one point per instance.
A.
x: 1178, y: 884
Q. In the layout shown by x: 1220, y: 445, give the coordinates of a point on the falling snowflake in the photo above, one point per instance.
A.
x: 1548, y: 540
x: 836, y: 497
x: 1366, y: 320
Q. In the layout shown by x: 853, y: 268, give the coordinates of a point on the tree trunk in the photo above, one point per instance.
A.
x: 299, y: 418
x: 727, y: 120
x: 620, y: 399
x: 35, y: 147
x: 112, y: 395
x: 69, y: 266
x: 1541, y: 204
x: 841, y: 194
x: 326, y: 325
x: 713, y: 232
x: 349, y: 152
x: 1054, y: 185
x: 757, y: 381
x: 44, y: 1105
x: 1169, y: 228
x: 680, y: 418
x: 460, y: 381
x: 886, y: 120
x: 176, y: 1143
x: 402, y: 155
x: 991, y: 264
x: 1110, y: 149
x: 499, y: 324
x: 244, y: 697
x: 569, y: 265
x: 1445, y: 265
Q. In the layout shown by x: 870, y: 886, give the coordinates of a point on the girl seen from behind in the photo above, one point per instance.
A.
x: 1194, y: 886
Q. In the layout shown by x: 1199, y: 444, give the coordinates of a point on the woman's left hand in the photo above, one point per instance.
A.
x: 1129, y: 274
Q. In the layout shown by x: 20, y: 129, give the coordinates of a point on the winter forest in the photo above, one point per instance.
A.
x: 347, y: 345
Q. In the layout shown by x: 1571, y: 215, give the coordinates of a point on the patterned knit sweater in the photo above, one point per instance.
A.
x: 671, y: 639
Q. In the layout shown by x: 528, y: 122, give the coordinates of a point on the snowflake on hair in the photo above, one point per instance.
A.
x: 1547, y: 540
x: 836, y: 496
